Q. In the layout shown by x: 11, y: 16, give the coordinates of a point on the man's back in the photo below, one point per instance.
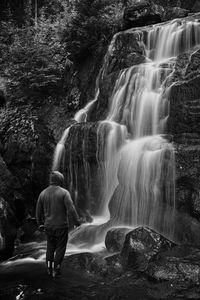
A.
x: 54, y: 204
x: 53, y: 207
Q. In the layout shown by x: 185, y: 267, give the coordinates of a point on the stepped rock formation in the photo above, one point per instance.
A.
x: 122, y: 149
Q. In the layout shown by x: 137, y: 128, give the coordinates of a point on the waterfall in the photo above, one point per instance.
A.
x: 136, y: 164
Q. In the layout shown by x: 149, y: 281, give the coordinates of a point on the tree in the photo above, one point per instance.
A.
x: 33, y: 61
x: 93, y: 22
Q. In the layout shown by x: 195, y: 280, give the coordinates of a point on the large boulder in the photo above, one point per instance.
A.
x: 140, y: 246
x: 115, y: 238
x: 182, y: 263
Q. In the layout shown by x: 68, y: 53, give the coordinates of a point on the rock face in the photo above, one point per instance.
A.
x: 127, y: 50
x: 183, y: 124
x: 178, y: 264
x: 140, y: 246
x: 7, y: 230
x: 28, y: 137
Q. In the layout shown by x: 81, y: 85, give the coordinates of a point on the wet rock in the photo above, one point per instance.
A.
x: 182, y: 263
x: 80, y: 167
x: 87, y: 236
x: 186, y: 229
x: 114, y: 264
x: 184, y: 100
x: 85, y: 261
x: 193, y: 67
x: 183, y: 123
x: 115, y: 238
x: 140, y: 247
x: 188, y: 172
x: 126, y: 51
x: 7, y: 230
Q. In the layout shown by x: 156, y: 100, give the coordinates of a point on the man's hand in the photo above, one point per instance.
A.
x: 41, y: 228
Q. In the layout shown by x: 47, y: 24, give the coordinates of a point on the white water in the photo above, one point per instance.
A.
x: 59, y: 153
x: 82, y: 114
x: 142, y: 178
x: 136, y: 162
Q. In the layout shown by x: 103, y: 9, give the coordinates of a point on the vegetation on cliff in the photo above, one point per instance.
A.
x: 36, y: 54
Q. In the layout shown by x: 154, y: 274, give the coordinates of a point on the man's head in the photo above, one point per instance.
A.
x: 57, y: 178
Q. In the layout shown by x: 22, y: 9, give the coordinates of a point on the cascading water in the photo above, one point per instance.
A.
x: 137, y: 170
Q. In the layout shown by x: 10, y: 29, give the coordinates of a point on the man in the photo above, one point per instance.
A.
x: 53, y: 207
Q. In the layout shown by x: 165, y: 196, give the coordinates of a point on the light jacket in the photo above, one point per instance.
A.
x: 54, y: 206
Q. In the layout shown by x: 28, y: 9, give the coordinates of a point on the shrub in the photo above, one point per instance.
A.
x: 93, y: 23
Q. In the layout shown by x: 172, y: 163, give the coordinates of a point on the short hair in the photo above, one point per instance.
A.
x: 57, y: 178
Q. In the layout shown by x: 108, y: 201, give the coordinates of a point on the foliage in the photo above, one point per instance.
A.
x: 34, y: 58
x: 33, y: 62
x: 93, y: 23
x: 18, y: 123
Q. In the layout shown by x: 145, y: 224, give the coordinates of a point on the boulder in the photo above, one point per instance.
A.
x: 140, y: 247
x: 8, y: 230
x: 113, y: 264
x: 182, y: 263
x: 115, y: 238
x: 186, y: 229
x: 85, y: 261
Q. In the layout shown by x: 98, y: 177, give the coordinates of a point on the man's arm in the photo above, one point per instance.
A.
x: 40, y: 211
x: 71, y: 209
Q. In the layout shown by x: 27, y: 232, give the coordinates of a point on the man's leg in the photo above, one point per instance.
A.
x: 51, y: 247
x: 62, y: 238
